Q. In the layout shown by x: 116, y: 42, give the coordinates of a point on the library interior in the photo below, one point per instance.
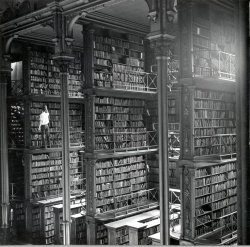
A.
x: 124, y: 122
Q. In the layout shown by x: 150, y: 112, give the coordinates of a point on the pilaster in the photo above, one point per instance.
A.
x: 185, y: 10
x: 187, y: 123
x: 88, y: 62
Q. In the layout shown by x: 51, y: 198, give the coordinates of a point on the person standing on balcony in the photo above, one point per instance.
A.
x: 44, y: 127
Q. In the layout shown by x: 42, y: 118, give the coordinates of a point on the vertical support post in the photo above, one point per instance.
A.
x: 63, y: 57
x: 242, y: 122
x: 160, y: 38
x: 91, y: 201
x: 65, y: 149
x: 163, y: 146
x: 4, y: 167
x: 4, y: 152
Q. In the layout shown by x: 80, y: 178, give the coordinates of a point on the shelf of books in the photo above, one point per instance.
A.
x: 118, y: 125
x: 208, y: 157
x: 213, y: 49
x: 44, y: 219
x: 18, y: 136
x: 209, y: 194
x: 77, y: 212
x: 120, y: 183
x: 118, y: 62
x: 209, y: 122
x: 78, y: 229
x: 44, y: 174
x: 44, y: 74
x: 125, y: 231
x: 35, y: 83
x: 118, y: 136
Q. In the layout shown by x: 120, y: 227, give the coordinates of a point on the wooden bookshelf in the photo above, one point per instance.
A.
x: 76, y: 209
x: 116, y: 179
x: 44, y: 222
x: 211, y: 122
x: 78, y: 229
x: 44, y: 74
x: 118, y: 137
x: 44, y: 174
x: 213, y: 189
x: 16, y: 124
x: 119, y: 232
x: 118, y: 125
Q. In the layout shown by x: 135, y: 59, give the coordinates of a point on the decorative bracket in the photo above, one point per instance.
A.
x: 8, y: 43
x: 168, y: 8
x: 73, y: 21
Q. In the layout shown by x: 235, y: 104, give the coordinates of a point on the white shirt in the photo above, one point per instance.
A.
x: 44, y: 118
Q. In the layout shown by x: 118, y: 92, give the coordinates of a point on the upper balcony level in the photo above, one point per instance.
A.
x: 214, y: 64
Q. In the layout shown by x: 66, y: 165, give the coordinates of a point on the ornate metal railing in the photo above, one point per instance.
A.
x: 135, y: 140
x: 16, y: 88
x: 132, y: 202
x: 135, y: 81
x: 142, y: 199
x: 174, y: 143
x: 76, y: 138
x: 174, y: 207
x: 213, y: 63
x: 228, y: 224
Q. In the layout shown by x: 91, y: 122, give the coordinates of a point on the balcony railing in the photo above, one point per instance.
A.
x: 135, y: 140
x: 16, y: 88
x: 127, y: 141
x: 215, y: 64
x: 133, y: 202
x: 228, y: 224
x: 129, y: 80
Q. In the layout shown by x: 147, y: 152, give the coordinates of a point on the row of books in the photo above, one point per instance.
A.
x: 119, y: 101
x: 213, y: 114
x: 214, y: 105
x: 214, y: 123
x: 219, y: 150
x: 213, y: 95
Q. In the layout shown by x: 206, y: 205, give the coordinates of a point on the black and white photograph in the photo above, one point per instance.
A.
x: 124, y: 122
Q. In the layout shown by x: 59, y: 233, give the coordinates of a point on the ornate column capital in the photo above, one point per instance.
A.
x: 63, y: 61
x: 161, y: 45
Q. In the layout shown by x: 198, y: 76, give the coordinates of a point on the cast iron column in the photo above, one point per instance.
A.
x: 160, y: 39
x: 242, y: 118
x: 63, y: 57
x: 5, y: 70
x: 63, y: 64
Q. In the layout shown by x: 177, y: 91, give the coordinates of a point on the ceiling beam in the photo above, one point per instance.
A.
x: 105, y: 20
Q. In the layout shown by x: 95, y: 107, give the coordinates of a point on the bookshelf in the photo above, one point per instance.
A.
x: 125, y: 231
x: 101, y: 234
x: 16, y: 126
x: 117, y: 61
x: 45, y: 174
x: 45, y: 219
x: 119, y: 125
x: 44, y: 74
x: 116, y: 179
x: 35, y: 83
x: 213, y: 43
x: 212, y: 120
x: 76, y: 208
x: 55, y: 129
x: 118, y: 136
x: 78, y: 229
x: 213, y: 187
